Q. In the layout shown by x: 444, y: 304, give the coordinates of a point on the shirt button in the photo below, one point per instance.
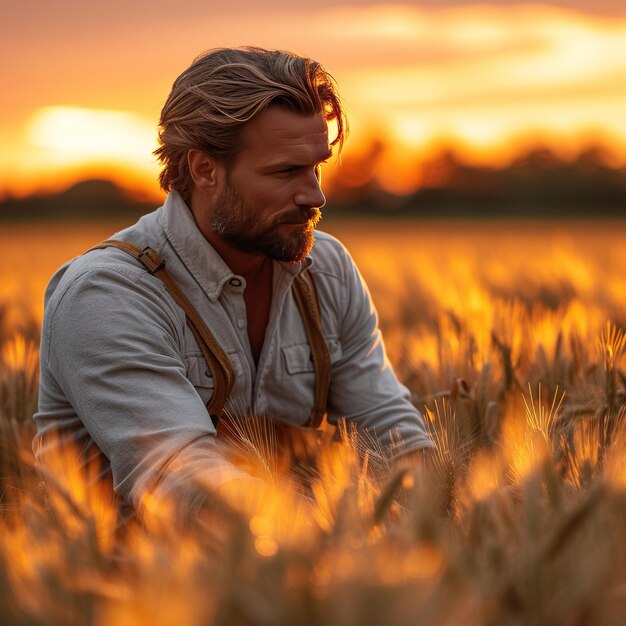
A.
x: 241, y: 323
x: 235, y: 282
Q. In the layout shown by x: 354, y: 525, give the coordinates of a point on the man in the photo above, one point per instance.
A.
x: 243, y: 136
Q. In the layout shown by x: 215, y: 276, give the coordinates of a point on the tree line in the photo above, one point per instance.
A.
x: 536, y: 184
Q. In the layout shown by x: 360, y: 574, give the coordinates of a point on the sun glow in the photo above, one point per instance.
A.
x: 488, y: 87
x: 64, y: 144
x: 487, y: 80
x: 75, y: 134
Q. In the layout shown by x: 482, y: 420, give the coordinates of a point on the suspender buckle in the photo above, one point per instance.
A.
x: 152, y: 261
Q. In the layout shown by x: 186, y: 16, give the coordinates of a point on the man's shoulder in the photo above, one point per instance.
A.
x: 101, y: 262
x: 326, y: 239
x: 106, y: 266
x: 329, y: 255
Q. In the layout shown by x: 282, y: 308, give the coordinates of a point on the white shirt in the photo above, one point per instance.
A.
x: 121, y: 369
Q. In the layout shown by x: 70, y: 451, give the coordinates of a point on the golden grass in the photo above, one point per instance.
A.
x: 511, y: 341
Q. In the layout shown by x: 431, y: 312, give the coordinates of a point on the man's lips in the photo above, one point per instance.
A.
x: 313, y: 216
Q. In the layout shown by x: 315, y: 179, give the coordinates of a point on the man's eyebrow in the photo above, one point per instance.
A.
x: 287, y: 162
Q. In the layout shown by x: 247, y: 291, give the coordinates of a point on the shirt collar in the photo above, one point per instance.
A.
x: 198, y: 255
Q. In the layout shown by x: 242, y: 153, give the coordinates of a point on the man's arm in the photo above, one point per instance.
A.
x: 364, y: 388
x: 113, y: 346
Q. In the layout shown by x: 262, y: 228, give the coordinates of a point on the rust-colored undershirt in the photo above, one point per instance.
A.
x: 258, y: 299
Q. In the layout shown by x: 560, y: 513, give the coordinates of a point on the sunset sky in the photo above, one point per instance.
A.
x: 83, y: 83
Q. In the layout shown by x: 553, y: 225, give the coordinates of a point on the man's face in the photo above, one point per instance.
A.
x: 272, y: 198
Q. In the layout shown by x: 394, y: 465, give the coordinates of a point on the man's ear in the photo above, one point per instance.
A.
x: 205, y: 170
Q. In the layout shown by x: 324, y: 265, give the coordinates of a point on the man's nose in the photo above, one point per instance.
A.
x: 310, y: 193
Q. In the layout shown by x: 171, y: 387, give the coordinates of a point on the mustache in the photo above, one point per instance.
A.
x: 310, y: 214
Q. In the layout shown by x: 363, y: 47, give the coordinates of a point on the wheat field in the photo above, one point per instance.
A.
x: 510, y: 337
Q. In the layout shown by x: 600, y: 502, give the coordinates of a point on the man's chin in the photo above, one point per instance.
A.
x: 296, y: 251
x: 289, y: 248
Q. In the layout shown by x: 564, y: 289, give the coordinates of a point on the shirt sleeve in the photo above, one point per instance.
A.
x: 364, y: 388
x: 115, y: 350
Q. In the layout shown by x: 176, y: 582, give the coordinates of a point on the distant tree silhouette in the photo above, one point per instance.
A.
x: 535, y: 184
x: 87, y: 199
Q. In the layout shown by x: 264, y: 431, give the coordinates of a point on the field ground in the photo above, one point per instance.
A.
x: 510, y: 339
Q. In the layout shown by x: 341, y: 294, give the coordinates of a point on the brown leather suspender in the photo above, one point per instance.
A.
x: 217, y: 360
x: 306, y: 299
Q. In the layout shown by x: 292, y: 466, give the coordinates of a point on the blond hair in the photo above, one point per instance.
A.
x: 212, y: 100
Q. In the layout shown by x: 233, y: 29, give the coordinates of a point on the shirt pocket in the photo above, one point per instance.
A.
x: 299, y: 360
x: 294, y: 396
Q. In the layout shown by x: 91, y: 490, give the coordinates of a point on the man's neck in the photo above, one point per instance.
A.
x: 241, y: 263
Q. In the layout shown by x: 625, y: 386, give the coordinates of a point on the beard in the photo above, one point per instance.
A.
x: 288, y: 236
